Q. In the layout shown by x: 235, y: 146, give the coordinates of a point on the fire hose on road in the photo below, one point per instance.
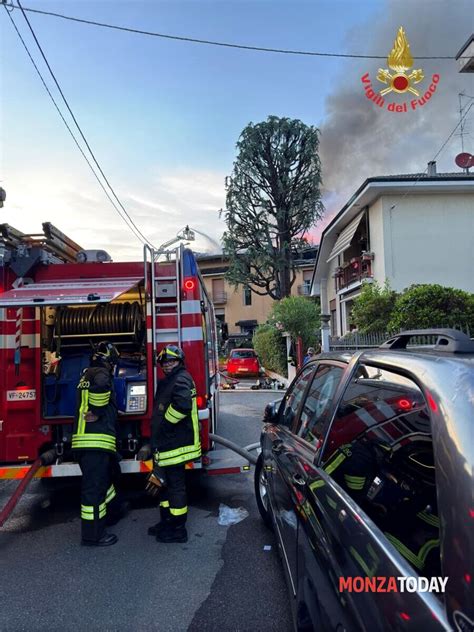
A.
x: 48, y: 457
x: 45, y: 459
x: 245, y: 452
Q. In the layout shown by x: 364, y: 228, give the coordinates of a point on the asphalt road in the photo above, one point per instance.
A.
x: 222, y: 579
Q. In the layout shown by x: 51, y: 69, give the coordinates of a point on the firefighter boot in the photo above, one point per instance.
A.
x: 107, y: 539
x: 165, y: 515
x: 174, y: 531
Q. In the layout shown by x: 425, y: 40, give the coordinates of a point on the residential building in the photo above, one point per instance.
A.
x: 239, y: 307
x: 465, y: 57
x: 414, y: 228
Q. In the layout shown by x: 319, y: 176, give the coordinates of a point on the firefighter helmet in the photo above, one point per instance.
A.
x: 169, y: 353
x: 105, y: 352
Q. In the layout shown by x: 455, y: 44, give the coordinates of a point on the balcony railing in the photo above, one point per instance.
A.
x: 219, y: 297
x: 304, y: 290
x: 358, y: 269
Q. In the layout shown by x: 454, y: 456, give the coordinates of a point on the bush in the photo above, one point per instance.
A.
x: 271, y: 348
x: 300, y: 316
x: 373, y: 308
x: 432, y: 305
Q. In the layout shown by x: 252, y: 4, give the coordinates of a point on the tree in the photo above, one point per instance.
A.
x: 299, y: 316
x: 271, y: 348
x: 273, y: 198
x: 431, y: 305
x: 373, y: 308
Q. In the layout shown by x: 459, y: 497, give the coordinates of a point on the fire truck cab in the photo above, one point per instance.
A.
x: 56, y: 302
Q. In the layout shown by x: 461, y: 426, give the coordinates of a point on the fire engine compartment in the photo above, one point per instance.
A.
x: 68, y: 336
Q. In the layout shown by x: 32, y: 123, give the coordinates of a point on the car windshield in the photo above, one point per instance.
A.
x: 244, y: 353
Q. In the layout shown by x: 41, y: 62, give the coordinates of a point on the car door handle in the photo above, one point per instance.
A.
x: 277, y: 446
x: 298, y: 480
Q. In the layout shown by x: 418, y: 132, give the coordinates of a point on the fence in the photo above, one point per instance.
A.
x: 356, y: 340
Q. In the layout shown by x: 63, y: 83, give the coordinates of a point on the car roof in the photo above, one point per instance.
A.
x: 466, y: 359
x: 242, y: 349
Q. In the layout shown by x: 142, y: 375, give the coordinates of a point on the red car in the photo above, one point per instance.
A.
x: 243, y: 362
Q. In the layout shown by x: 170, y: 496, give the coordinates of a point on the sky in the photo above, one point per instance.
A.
x: 163, y: 117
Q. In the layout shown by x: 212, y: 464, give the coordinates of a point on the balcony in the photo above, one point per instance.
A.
x: 219, y: 298
x: 356, y: 270
x: 304, y: 290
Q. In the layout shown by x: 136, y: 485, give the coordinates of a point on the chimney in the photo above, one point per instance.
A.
x: 432, y: 168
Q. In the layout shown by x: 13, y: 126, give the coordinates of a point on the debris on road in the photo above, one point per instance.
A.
x: 229, y: 515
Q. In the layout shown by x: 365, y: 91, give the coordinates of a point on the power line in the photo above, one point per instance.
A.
x: 143, y: 238
x: 433, y: 159
x: 452, y: 133
x: 127, y: 219
x: 213, y: 42
x: 69, y: 129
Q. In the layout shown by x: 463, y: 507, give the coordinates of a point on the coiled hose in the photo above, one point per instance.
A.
x: 111, y: 318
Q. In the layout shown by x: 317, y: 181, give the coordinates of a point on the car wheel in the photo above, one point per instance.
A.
x: 261, y: 493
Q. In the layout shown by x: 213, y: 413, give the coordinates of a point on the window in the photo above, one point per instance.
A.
x: 379, y: 402
x: 247, y: 296
x: 293, y: 399
x: 243, y: 353
x: 318, y: 403
x: 379, y: 449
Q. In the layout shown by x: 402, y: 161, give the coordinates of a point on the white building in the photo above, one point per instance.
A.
x: 416, y: 228
x: 465, y: 57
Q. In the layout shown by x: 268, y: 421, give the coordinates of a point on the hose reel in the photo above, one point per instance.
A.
x: 101, y: 320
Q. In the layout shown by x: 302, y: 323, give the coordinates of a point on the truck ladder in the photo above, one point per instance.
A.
x: 52, y: 240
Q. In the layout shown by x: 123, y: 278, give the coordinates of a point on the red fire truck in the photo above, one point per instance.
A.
x: 56, y: 302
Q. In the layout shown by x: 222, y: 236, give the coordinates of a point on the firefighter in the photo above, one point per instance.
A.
x: 396, y: 489
x: 94, y: 444
x: 175, y: 441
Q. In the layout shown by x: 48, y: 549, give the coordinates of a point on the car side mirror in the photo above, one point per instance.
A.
x: 270, y: 415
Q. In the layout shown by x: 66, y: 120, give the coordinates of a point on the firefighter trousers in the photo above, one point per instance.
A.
x: 173, y: 497
x: 99, y: 471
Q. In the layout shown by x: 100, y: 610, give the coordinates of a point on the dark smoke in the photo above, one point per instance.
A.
x: 359, y: 139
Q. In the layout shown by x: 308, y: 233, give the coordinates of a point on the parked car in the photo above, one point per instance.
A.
x: 366, y: 475
x: 243, y: 363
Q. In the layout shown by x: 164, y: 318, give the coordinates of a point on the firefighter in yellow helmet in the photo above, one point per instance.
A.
x: 94, y: 443
x: 175, y: 441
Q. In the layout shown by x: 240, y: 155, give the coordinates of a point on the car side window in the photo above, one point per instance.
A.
x: 319, y: 403
x: 379, y: 450
x: 292, y: 401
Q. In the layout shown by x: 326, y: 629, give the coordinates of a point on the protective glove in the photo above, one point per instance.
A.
x: 156, y: 479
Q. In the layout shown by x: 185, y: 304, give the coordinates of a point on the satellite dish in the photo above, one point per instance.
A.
x: 464, y: 160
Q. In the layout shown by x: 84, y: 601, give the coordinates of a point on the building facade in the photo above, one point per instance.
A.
x: 416, y: 228
x: 240, y: 308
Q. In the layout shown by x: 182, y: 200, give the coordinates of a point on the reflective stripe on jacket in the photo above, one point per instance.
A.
x: 95, y: 394
x: 175, y: 422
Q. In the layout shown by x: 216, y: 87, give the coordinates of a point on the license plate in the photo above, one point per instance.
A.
x: 242, y: 369
x: 13, y: 396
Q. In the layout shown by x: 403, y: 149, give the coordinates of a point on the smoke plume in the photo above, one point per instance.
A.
x: 360, y: 139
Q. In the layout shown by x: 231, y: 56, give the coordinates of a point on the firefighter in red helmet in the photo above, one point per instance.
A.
x: 94, y: 443
x: 175, y: 441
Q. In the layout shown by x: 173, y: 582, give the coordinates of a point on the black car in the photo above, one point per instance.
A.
x: 366, y: 475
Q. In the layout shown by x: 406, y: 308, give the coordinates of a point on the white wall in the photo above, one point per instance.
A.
x: 377, y: 241
x: 428, y: 239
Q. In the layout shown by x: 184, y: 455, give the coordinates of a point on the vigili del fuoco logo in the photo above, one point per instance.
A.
x: 399, y: 80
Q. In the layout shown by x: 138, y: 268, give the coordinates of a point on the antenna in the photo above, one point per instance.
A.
x: 462, y: 133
